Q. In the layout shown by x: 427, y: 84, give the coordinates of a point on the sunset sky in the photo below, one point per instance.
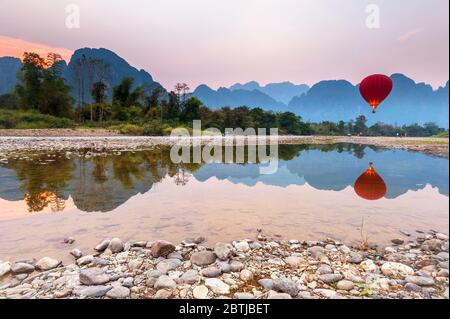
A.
x: 223, y: 42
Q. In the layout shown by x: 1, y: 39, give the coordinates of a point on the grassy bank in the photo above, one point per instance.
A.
x: 13, y: 119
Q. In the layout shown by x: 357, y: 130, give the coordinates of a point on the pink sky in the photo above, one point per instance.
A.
x: 220, y: 43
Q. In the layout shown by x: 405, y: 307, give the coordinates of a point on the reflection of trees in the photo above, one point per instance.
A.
x: 43, y: 183
x: 182, y: 177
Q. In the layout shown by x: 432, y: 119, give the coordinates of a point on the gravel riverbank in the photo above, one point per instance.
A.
x: 13, y: 141
x: 246, y: 269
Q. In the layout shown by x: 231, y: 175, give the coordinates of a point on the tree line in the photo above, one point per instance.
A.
x: 140, y: 109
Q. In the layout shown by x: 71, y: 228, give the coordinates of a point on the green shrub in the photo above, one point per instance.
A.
x: 127, y: 129
x: 30, y: 119
x: 153, y: 128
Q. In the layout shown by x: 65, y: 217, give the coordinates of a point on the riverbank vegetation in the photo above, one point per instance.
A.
x: 42, y: 99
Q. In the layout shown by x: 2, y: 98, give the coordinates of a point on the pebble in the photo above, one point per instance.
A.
x: 345, y: 285
x: 211, y: 272
x: 93, y: 276
x: 433, y: 245
x: 165, y: 282
x: 242, y: 246
x: 163, y: 294
x: 102, y: 245
x: 21, y: 268
x: 223, y: 266
x: 412, y: 287
x: 217, y: 286
x: 69, y: 240
x: 396, y: 270
x: 286, y: 285
x: 200, y: 292
x: 324, y: 269
x: 397, y: 241
x: 168, y: 264
x: 355, y: 258
x: 162, y: 248
x: 189, y: 277
x: 47, y: 263
x: 293, y: 261
x: 441, y: 236
x: 118, y: 292
x: 266, y: 283
x: 223, y: 250
x: 369, y: 266
x: 135, y: 263
x: 243, y: 295
x: 246, y: 275
x: 276, y: 295
x: 327, y: 293
x: 330, y: 278
x: 236, y: 266
x: 85, y: 260
x: 5, y: 268
x: 76, y: 253
x: 316, y: 251
x: 420, y: 280
x: 115, y: 245
x: 203, y: 258
x: 91, y: 291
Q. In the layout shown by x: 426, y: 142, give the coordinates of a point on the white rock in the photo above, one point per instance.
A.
x: 369, y: 266
x: 242, y: 246
x: 217, y: 286
x: 5, y: 267
x: 47, y: 263
x: 396, y: 270
x: 293, y: 261
x: 76, y: 253
x: 246, y: 275
x: 200, y: 292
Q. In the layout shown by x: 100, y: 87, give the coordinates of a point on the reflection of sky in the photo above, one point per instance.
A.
x: 401, y: 171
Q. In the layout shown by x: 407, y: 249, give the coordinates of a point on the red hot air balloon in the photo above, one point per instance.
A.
x: 375, y: 88
x: 370, y: 185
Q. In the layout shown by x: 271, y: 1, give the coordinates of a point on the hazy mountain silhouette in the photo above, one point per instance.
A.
x: 235, y: 98
x: 282, y: 92
x: 8, y: 70
x: 408, y: 103
x: 119, y: 67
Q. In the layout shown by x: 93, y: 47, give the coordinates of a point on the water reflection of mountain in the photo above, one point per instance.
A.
x: 92, y: 192
x: 401, y: 170
x: 105, y: 183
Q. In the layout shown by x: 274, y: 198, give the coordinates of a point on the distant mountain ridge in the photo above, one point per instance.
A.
x: 281, y: 92
x: 119, y: 67
x: 235, y: 98
x: 9, y: 66
x: 408, y: 103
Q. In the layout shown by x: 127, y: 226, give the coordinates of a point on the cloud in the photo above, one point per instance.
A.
x: 409, y: 35
x: 16, y: 47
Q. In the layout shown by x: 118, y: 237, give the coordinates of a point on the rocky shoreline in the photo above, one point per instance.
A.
x: 246, y: 269
x: 103, y: 141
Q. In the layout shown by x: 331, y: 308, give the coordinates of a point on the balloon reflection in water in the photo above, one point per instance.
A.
x: 370, y: 185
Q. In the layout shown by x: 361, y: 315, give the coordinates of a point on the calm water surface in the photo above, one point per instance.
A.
x: 143, y: 195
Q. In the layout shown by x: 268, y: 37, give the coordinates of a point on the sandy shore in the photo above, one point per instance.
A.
x: 103, y: 140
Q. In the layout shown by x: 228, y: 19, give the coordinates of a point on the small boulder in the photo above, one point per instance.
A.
x: 162, y: 248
